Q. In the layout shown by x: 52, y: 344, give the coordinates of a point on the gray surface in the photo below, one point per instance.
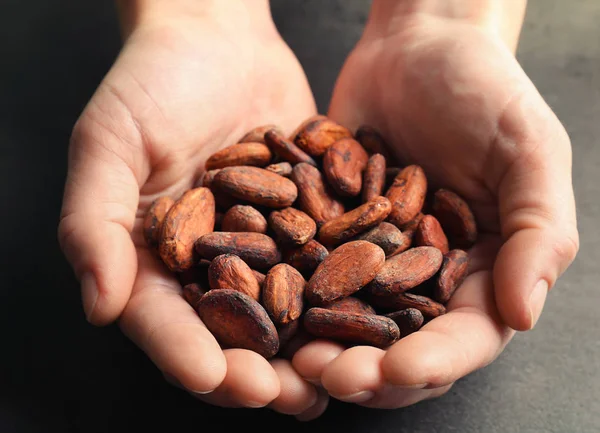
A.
x: 59, y: 374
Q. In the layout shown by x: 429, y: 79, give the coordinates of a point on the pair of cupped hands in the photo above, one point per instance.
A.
x: 447, y: 94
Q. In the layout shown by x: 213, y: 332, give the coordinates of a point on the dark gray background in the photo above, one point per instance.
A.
x: 59, y: 374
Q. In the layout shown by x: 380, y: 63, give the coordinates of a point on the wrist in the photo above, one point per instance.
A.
x: 234, y: 14
x: 501, y: 17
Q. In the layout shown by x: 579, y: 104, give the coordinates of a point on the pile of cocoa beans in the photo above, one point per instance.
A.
x: 312, y: 235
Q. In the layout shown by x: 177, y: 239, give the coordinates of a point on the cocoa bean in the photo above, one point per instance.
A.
x: 354, y: 328
x: 292, y: 226
x: 238, y: 321
x: 257, y: 250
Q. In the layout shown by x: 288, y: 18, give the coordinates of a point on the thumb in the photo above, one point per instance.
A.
x: 537, y: 211
x: 99, y: 208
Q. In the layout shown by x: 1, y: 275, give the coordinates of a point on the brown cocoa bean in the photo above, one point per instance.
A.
x: 292, y: 226
x: 286, y: 149
x: 283, y: 294
x: 318, y: 134
x: 190, y: 217
x: 456, y: 218
x: 192, y: 293
x: 430, y: 234
x: 344, y: 271
x: 372, y: 141
x: 354, y: 328
x: 407, y: 195
x: 281, y: 168
x: 207, y: 177
x: 408, y: 320
x: 343, y: 164
x: 315, y: 197
x: 307, y: 257
x: 255, y: 154
x: 386, y: 235
x: 453, y: 272
x: 402, y: 301
x: 286, y: 333
x: 373, y: 178
x: 257, y: 135
x: 238, y: 321
x: 260, y: 277
x: 154, y: 218
x: 390, y: 175
x: 302, y: 125
x: 242, y: 218
x: 257, y: 250
x: 406, y: 270
x: 257, y: 185
x: 356, y: 221
x: 228, y: 271
x: 351, y: 305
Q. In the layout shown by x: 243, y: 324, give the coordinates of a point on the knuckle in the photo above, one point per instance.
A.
x: 568, y: 248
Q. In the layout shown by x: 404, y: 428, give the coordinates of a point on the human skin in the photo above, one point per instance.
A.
x: 192, y: 77
x: 443, y: 80
x: 446, y: 90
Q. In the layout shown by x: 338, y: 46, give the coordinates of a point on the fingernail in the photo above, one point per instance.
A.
x: 536, y: 301
x: 316, y: 409
x: 172, y: 380
x: 89, y: 294
x: 359, y: 397
x: 415, y: 386
x: 201, y: 392
x: 254, y: 404
x: 314, y: 380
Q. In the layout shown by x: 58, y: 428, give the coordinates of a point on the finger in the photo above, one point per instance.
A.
x: 356, y: 377
x: 317, y: 409
x: 537, y: 213
x: 468, y: 337
x: 169, y: 331
x: 310, y: 360
x: 250, y: 382
x: 394, y: 397
x: 98, y: 214
x: 296, y: 395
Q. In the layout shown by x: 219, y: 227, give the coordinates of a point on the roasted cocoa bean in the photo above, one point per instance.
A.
x: 430, y: 234
x: 292, y: 226
x: 255, y: 154
x: 283, y: 294
x: 307, y: 257
x: 315, y: 197
x: 154, y: 219
x: 343, y: 165
x: 354, y: 328
x: 190, y: 217
x: 344, y: 271
x: 242, y: 218
x: 257, y: 250
x: 408, y: 320
x: 406, y: 270
x: 386, y: 235
x: 456, y: 218
x: 356, y: 221
x: 256, y: 185
x: 453, y: 272
x: 238, y: 321
x: 228, y: 271
x: 407, y: 195
x: 373, y: 178
x: 317, y: 134
x: 286, y: 149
